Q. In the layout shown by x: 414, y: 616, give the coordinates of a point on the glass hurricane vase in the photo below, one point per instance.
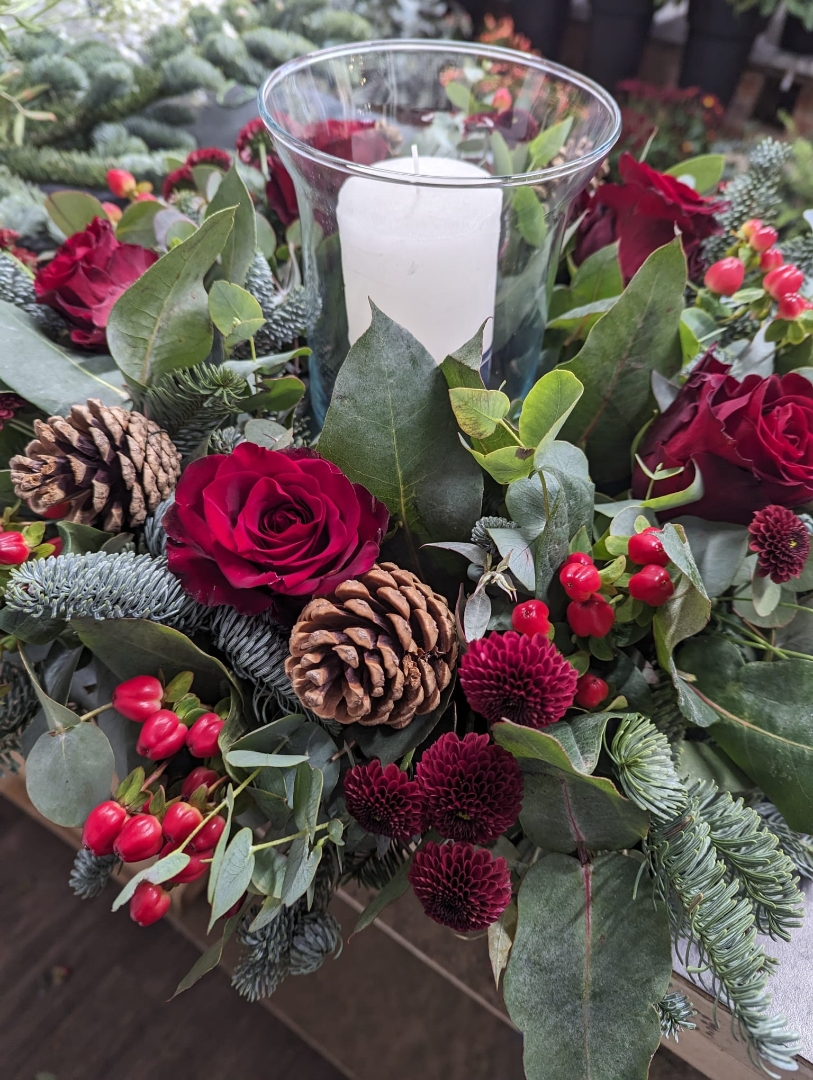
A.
x: 436, y: 180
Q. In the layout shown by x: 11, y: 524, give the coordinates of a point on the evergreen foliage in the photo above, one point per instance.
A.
x: 797, y: 846
x: 90, y: 873
x: 675, y: 1013
x: 256, y: 648
x: 191, y: 403
x: 18, y: 704
x: 371, y: 868
x: 284, y: 311
x: 17, y: 287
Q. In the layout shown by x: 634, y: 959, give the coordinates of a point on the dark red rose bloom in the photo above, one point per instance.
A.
x: 87, y: 276
x: 249, y: 139
x: 596, y: 229
x: 254, y: 523
x: 384, y: 801
x: 647, y: 208
x: 177, y: 179
x: 520, y: 678
x: 280, y: 192
x: 210, y: 155
x: 473, y: 788
x: 459, y: 886
x: 752, y: 442
x: 782, y: 543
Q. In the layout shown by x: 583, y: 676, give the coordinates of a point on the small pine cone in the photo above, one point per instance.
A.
x: 316, y: 935
x: 91, y: 873
x: 378, y: 651
x: 109, y: 465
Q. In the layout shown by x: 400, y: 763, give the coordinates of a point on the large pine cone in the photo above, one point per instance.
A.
x: 109, y: 465
x: 378, y: 651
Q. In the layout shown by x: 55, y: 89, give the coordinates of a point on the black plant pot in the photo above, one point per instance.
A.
x: 720, y: 42
x: 618, y: 33
x: 544, y: 22
x: 795, y: 38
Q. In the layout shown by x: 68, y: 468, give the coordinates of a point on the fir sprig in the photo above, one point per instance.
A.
x: 797, y: 846
x: 373, y: 870
x: 675, y: 1013
x: 18, y: 704
x: 256, y: 648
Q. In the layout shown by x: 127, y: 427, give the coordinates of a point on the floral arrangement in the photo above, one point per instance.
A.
x: 547, y: 663
x: 665, y: 124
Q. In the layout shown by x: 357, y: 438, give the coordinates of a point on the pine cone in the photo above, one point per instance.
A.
x: 111, y: 466
x: 378, y: 651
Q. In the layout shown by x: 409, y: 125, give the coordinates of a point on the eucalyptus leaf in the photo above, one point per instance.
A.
x: 547, y: 406
x: 241, y: 245
x: 57, y: 715
x: 476, y: 615
x: 548, y: 143
x: 531, y: 221
x: 161, y: 323
x: 157, y: 874
x: 706, y: 171
x: 73, y: 211
x: 500, y: 939
x: 69, y: 772
x: 307, y: 797
x: 604, y: 957
x: 137, y: 224
x: 250, y: 759
x: 234, y: 874
x: 300, y: 871
x: 268, y: 433
x: 209, y: 960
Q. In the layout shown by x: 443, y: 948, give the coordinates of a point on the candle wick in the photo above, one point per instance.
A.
x: 415, y: 162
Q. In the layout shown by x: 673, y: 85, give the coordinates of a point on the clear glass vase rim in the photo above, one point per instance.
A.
x: 468, y: 48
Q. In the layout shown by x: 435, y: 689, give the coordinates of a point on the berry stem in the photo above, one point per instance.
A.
x: 95, y: 712
x: 217, y: 809
x: 286, y: 839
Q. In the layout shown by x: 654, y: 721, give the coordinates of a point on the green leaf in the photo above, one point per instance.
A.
x: 718, y: 550
x: 235, y: 312
x: 52, y: 378
x: 564, y: 807
x: 300, y: 871
x: 307, y: 797
x: 598, y: 278
x: 209, y: 960
x: 638, y: 336
x: 677, y: 548
x: 157, y: 874
x: 56, y: 715
x: 241, y: 244
x: 507, y: 464
x: 388, y: 744
x: 698, y: 330
x: 604, y: 958
x: 764, y: 713
x: 531, y: 222
x: 73, y: 211
x: 462, y: 368
x: 395, y: 888
x: 579, y: 321
x: 268, y: 433
x: 479, y: 411
x: 250, y: 759
x: 137, y: 224
x: 234, y: 874
x: 220, y: 847
x: 547, y: 144
x: 69, y: 772
x: 706, y: 171
x: 388, y: 426
x: 161, y: 323
x: 80, y: 539
x: 500, y: 939
x: 546, y: 408
x: 283, y: 394
x: 461, y: 97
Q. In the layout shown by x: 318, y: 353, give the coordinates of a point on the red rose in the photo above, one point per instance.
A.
x: 752, y: 442
x: 257, y: 522
x: 87, y: 276
x: 250, y: 138
x: 280, y: 192
x: 596, y: 229
x: 648, y: 207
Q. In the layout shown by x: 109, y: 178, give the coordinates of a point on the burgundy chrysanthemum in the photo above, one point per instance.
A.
x: 179, y: 178
x: 516, y: 677
x: 460, y: 886
x: 781, y: 541
x: 472, y: 788
x: 384, y: 801
x: 210, y: 155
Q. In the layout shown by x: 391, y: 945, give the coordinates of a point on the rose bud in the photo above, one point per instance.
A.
x: 725, y: 276
x: 149, y: 903
x: 209, y: 835
x: 199, y: 777
x: 161, y: 736
x: 203, y: 735
x: 646, y: 547
x: 763, y: 238
x: 785, y: 279
x: 180, y: 821
x: 140, y: 838
x: 121, y: 183
x: 791, y: 307
x: 13, y: 549
x: 770, y: 260
x: 591, y: 691
x: 102, y: 827
x: 591, y: 618
x: 138, y: 699
x: 652, y: 584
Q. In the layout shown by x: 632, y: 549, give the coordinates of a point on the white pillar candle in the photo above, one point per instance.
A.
x: 426, y: 256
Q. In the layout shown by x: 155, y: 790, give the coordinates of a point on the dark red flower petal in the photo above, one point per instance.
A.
x: 782, y: 542
x: 459, y: 886
x: 384, y: 802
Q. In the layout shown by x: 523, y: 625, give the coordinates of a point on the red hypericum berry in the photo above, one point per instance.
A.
x: 56, y: 544
x: 725, y: 276
x: 579, y: 582
x: 138, y: 699
x: 530, y: 617
x: 199, y: 777
x: 161, y: 736
x: 591, y: 618
x: 145, y: 196
x: 791, y: 307
x: 121, y: 183
x: 149, y: 903
x: 769, y: 260
x: 102, y: 827
x: 139, y: 839
x: 114, y: 212
x: 180, y: 820
x: 194, y: 869
x: 651, y: 584
x: 591, y: 691
x: 209, y: 835
x: 578, y: 557
x: 750, y: 227
x: 646, y: 547
x: 763, y: 238
x: 203, y: 735
x: 13, y: 549
x: 236, y: 908
x: 785, y: 279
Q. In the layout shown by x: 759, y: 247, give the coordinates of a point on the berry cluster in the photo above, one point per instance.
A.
x: 123, y: 185
x: 166, y: 731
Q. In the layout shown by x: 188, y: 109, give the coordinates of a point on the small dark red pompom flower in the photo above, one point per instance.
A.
x: 384, y: 801
x: 459, y: 886
x: 781, y: 541
x: 473, y: 789
x: 210, y: 155
x: 515, y: 677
